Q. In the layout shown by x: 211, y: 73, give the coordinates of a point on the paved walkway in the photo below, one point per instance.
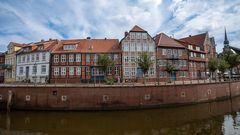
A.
x: 115, y: 85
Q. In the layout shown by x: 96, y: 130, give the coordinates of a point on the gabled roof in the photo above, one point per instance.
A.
x: 162, y: 40
x: 137, y: 29
x: 90, y: 46
x: 48, y: 46
x: 196, y: 39
x: 16, y: 44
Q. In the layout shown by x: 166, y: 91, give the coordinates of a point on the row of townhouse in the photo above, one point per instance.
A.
x: 75, y: 61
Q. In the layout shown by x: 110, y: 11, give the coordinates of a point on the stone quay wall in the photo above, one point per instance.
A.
x: 114, y: 97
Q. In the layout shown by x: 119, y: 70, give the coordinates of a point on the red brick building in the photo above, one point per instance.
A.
x: 171, y: 52
x: 201, y: 49
x: 2, y: 69
x: 75, y: 61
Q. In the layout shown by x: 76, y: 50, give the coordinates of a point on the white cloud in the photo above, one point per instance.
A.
x: 34, y: 20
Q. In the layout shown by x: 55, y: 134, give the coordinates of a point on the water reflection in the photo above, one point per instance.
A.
x: 210, y: 118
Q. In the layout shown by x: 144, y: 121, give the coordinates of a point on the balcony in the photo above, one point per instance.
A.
x: 5, y: 66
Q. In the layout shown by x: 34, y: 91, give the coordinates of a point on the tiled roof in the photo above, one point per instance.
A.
x: 16, y: 44
x: 89, y: 46
x: 162, y: 40
x: 48, y: 46
x: 137, y: 29
x: 196, y: 39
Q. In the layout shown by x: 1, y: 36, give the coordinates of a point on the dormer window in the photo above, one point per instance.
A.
x: 70, y: 47
x: 40, y: 47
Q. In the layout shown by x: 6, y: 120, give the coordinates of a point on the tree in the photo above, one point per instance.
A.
x: 232, y: 59
x: 144, y: 62
x: 223, y: 66
x: 105, y: 62
x: 170, y: 68
x: 212, y: 65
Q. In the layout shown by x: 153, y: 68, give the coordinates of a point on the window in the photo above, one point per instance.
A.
x: 162, y: 74
x: 63, y: 70
x: 33, y: 57
x: 183, y: 73
x: 164, y: 51
x: 145, y: 47
x: 28, y: 58
x: 138, y: 35
x: 20, y: 70
x: 198, y: 48
x: 190, y: 47
x: 132, y: 47
x: 78, y: 70
x: 63, y: 58
x: 56, y: 71
x: 95, y: 58
x: 78, y: 57
x: 179, y: 52
x: 133, y: 59
x: 23, y: 59
x: 116, y: 70
x: 87, y: 57
x: 133, y: 72
x: 139, y: 47
x: 71, y: 70
x: 43, y: 56
x: 71, y: 57
x: 87, y: 71
x: 115, y: 57
x: 34, y: 70
x: 169, y: 52
x: 126, y: 72
x: 151, y: 71
x: 126, y: 58
x: 19, y: 59
x: 162, y: 62
x: 126, y: 47
x: 56, y: 58
x: 43, y: 69
x: 69, y: 47
x: 109, y: 70
x: 37, y: 57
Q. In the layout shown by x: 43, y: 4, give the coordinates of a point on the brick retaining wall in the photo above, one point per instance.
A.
x: 126, y: 97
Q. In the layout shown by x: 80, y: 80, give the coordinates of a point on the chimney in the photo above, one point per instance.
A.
x: 105, y: 38
x: 42, y: 40
x: 50, y: 39
x: 88, y: 37
x: 190, y: 35
x: 126, y: 33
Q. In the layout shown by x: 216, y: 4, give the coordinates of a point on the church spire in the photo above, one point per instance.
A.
x: 226, y: 42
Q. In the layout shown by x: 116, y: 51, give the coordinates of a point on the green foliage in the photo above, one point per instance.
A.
x: 213, y: 64
x: 232, y: 59
x: 223, y: 66
x: 170, y: 68
x: 104, y: 62
x: 145, y: 62
x: 109, y: 81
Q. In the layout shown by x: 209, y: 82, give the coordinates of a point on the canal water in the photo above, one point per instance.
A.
x: 203, y: 119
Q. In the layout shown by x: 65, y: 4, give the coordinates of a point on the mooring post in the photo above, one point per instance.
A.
x: 9, y: 102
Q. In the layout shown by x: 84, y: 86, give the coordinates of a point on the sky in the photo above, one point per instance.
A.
x: 26, y: 21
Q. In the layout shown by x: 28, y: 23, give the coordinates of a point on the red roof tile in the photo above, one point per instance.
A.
x: 90, y: 46
x: 137, y: 29
x: 196, y: 39
x: 162, y: 40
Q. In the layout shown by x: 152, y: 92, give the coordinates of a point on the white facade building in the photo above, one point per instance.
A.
x: 33, y: 63
x: 133, y: 45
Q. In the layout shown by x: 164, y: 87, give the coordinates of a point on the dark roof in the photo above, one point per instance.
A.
x: 196, y: 39
x: 89, y: 46
x: 164, y: 41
